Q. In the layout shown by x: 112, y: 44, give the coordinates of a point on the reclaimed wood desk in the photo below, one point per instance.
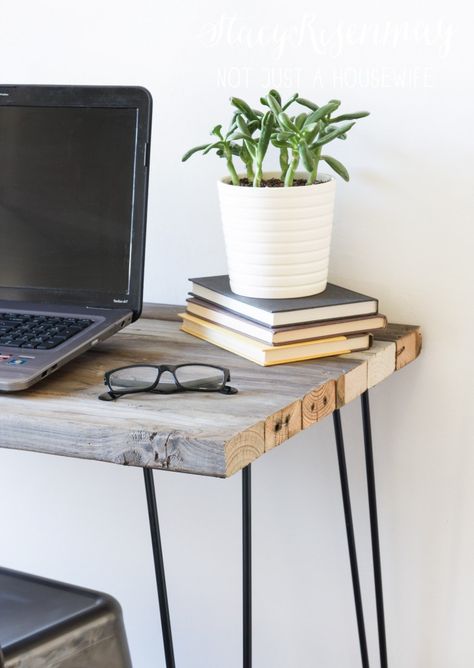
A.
x: 206, y: 434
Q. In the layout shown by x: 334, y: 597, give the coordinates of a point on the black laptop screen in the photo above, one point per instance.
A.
x: 66, y: 197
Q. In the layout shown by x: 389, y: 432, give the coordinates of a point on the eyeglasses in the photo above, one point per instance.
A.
x: 166, y: 379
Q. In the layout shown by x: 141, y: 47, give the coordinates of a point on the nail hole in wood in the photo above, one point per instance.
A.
x: 325, y: 401
x: 287, y: 419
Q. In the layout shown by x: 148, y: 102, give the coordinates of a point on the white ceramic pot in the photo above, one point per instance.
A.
x: 278, y: 239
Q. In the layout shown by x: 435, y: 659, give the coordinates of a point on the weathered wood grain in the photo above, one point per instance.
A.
x: 207, y: 434
x: 407, y: 339
x: 244, y: 448
x: 282, y: 425
x: 381, y: 360
x: 352, y: 384
x: 319, y: 403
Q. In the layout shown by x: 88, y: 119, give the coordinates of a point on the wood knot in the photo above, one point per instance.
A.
x: 325, y: 401
x: 287, y: 419
x: 277, y: 426
x: 313, y: 406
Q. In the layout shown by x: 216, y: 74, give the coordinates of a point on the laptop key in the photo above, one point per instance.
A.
x: 19, y: 330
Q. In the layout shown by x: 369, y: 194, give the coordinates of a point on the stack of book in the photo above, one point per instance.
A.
x: 276, y: 331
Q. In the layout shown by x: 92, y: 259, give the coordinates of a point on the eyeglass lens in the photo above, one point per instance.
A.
x: 133, y: 378
x: 199, y: 377
x: 189, y: 376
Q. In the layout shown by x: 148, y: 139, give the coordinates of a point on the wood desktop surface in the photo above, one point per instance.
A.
x: 206, y: 434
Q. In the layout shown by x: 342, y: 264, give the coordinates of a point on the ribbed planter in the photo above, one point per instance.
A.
x: 278, y: 239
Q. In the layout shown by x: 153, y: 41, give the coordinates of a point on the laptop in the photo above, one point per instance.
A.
x: 73, y: 200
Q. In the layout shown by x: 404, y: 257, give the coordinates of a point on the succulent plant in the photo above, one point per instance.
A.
x: 299, y: 138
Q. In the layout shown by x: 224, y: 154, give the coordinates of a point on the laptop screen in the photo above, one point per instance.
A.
x: 66, y: 197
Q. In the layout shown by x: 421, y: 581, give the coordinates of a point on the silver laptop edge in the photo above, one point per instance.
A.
x: 20, y: 368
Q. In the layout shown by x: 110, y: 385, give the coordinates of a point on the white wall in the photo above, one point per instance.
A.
x: 403, y: 233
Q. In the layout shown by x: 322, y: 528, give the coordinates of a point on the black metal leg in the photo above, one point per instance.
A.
x: 247, y: 565
x: 159, y: 568
x: 374, y: 529
x: 350, y: 537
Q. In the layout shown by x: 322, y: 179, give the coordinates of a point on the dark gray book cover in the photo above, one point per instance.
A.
x: 334, y: 295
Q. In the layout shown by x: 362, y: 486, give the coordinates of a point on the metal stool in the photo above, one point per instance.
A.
x: 45, y: 623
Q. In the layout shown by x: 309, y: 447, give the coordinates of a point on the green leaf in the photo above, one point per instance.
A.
x: 306, y: 157
x: 321, y: 112
x: 284, y: 136
x: 234, y: 149
x: 275, y: 94
x: 264, y: 140
x: 307, y: 103
x: 337, y: 166
x: 286, y: 123
x: 191, y: 151
x: 300, y: 119
x: 217, y: 144
x: 244, y: 154
x: 217, y: 131
x: 310, y: 132
x: 273, y: 103
x: 251, y: 147
x: 290, y: 101
x: 332, y: 135
x: 279, y: 144
x: 231, y: 130
x: 350, y: 117
x: 310, y: 127
x: 243, y: 107
x: 254, y: 125
x: 243, y: 127
x: 284, y: 163
x: 236, y: 136
x: 330, y: 128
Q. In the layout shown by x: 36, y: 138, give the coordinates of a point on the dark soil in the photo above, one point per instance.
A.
x: 273, y: 183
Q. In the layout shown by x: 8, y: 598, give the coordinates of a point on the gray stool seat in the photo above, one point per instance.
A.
x: 49, y: 624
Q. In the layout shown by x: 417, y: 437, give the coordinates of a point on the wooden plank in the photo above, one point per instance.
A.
x: 319, y: 403
x: 244, y: 448
x: 380, y: 360
x: 282, y: 425
x: 352, y: 384
x: 194, y: 433
x: 407, y: 339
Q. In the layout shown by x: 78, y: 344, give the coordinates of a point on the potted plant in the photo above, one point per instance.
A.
x: 277, y: 225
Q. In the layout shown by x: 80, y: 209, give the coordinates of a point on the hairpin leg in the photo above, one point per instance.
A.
x: 350, y: 537
x: 247, y: 565
x: 159, y: 568
x: 374, y: 530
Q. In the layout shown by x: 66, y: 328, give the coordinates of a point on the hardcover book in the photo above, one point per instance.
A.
x: 265, y: 355
x: 334, y: 302
x: 286, y: 333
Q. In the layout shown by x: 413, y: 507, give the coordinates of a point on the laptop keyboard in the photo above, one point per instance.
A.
x: 24, y: 330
